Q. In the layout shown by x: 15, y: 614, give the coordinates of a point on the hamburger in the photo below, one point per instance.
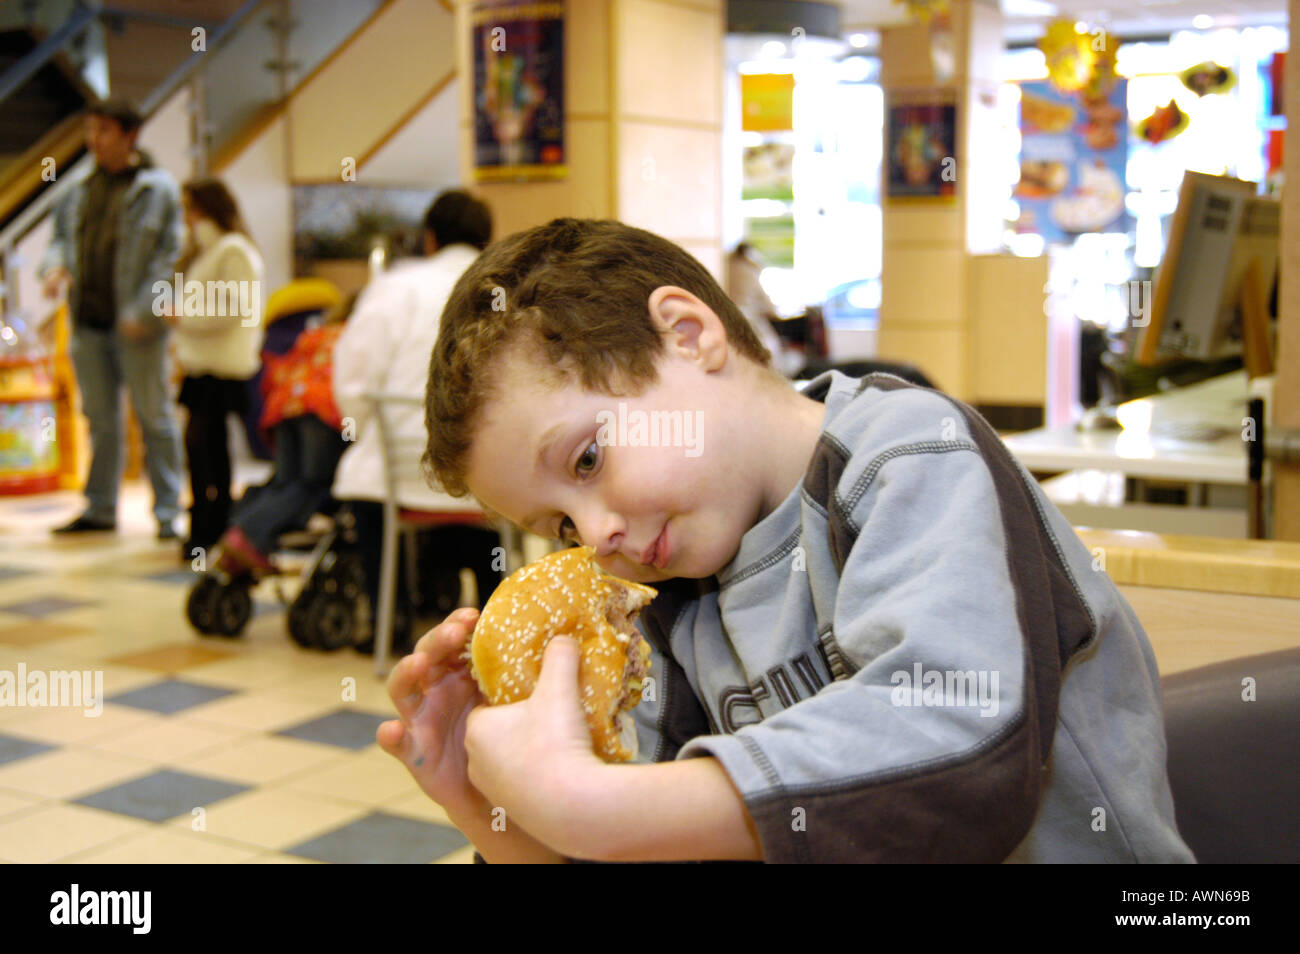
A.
x: 567, y: 594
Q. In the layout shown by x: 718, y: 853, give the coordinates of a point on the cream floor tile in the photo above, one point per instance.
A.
x: 276, y: 858
x: 13, y: 802
x: 71, y: 773
x: 166, y: 846
x: 170, y: 739
x: 416, y: 804
x: 68, y: 725
x: 462, y: 856
x: 60, y: 830
x: 362, y: 688
x: 262, y: 759
x: 259, y: 671
x: 370, y: 778
x: 106, y: 643
x: 260, y: 710
x: 42, y: 656
x: 273, y: 818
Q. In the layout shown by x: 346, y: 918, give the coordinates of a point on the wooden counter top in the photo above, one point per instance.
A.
x: 1207, y: 564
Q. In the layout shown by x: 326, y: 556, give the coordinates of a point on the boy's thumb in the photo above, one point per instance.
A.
x: 559, y: 666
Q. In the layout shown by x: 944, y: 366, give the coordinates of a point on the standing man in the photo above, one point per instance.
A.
x: 115, y: 235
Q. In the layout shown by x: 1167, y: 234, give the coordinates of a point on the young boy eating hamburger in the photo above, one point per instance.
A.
x: 875, y: 639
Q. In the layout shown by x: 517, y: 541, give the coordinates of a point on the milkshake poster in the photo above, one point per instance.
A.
x: 518, y: 91
x: 1073, y: 158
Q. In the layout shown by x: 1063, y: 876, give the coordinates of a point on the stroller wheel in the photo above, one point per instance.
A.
x: 300, y: 617
x: 232, y: 608
x: 330, y: 622
x: 199, y: 608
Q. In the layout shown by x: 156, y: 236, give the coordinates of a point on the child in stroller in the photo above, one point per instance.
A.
x: 300, y: 420
x: 302, y: 423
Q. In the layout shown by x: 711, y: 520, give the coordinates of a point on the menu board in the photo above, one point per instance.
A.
x: 1073, y: 154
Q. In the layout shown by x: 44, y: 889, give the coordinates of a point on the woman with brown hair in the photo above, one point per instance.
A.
x: 217, y: 312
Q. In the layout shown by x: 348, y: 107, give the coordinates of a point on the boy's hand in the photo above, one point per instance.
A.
x: 534, y: 758
x: 434, y: 694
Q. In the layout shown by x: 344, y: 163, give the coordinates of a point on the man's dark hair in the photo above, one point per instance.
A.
x: 119, y: 109
x: 457, y: 216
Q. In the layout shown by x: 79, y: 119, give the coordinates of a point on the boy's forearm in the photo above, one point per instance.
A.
x: 669, y: 811
x: 511, y: 845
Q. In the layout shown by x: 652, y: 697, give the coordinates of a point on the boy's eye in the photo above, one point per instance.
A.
x: 589, y: 459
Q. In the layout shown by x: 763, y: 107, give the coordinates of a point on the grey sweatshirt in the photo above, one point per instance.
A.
x: 913, y: 658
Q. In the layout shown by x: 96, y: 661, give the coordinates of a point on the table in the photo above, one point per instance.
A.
x: 1192, y: 436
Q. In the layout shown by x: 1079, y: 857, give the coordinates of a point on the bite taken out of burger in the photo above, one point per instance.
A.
x: 567, y: 594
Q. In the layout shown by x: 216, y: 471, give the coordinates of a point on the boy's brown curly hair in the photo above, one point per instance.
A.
x: 575, y: 292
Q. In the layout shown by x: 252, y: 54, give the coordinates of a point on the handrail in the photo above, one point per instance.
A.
x: 41, y: 205
x: 24, y: 69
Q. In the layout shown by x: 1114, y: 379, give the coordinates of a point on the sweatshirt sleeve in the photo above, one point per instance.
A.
x: 930, y: 745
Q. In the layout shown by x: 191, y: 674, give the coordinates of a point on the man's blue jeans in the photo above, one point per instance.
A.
x: 104, y: 361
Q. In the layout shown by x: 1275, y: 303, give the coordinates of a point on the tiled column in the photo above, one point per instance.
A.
x: 643, y: 123
x: 1286, y: 394
x: 925, y: 304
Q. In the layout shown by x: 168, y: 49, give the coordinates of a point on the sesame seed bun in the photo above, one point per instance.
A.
x: 567, y: 594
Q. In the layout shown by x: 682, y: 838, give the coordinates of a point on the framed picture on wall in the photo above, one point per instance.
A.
x: 921, y: 145
x: 518, y: 90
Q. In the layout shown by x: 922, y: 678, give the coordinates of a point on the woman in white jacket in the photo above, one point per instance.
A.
x: 217, y: 312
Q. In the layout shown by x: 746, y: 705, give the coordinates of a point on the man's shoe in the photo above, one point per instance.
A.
x: 85, y: 524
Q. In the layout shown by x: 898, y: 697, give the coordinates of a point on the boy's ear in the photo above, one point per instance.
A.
x: 690, y: 328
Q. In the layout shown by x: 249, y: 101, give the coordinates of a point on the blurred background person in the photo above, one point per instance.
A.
x: 301, y: 422
x: 115, y: 235
x: 744, y: 266
x: 385, y: 348
x: 217, y: 346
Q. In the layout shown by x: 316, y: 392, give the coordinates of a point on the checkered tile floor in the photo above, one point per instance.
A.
x: 206, y: 750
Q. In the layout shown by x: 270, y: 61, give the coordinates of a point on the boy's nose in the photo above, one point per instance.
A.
x: 605, y: 532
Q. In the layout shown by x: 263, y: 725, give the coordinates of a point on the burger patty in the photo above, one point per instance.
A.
x: 636, y: 670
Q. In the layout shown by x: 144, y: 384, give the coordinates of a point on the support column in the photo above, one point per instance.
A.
x: 1286, y: 389
x: 643, y: 122
x: 927, y: 245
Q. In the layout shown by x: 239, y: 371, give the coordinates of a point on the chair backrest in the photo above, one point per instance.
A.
x: 404, y: 483
x: 1234, y: 734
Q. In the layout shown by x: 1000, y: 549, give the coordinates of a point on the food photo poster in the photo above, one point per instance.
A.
x: 1073, y: 158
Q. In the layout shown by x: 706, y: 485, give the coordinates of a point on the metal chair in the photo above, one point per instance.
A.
x: 409, y: 505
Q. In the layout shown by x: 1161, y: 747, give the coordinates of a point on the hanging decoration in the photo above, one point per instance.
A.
x: 1208, y: 77
x: 1070, y: 56
x: 923, y: 10
x: 1163, y: 124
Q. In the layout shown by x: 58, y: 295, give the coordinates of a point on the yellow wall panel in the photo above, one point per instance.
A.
x: 669, y: 180
x: 669, y: 61
x: 939, y: 352
x: 922, y: 283
x: 374, y: 80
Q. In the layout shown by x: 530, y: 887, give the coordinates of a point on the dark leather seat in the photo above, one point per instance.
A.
x: 1234, y: 765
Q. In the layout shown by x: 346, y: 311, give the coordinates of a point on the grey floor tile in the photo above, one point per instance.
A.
x: 346, y: 728
x: 45, y: 606
x: 12, y: 749
x: 169, y: 696
x: 380, y: 838
x: 161, y: 795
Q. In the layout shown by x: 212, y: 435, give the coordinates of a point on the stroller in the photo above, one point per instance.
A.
x: 221, y: 603
x: 330, y: 609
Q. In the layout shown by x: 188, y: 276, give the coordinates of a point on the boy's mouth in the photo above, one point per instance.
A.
x: 657, y: 553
